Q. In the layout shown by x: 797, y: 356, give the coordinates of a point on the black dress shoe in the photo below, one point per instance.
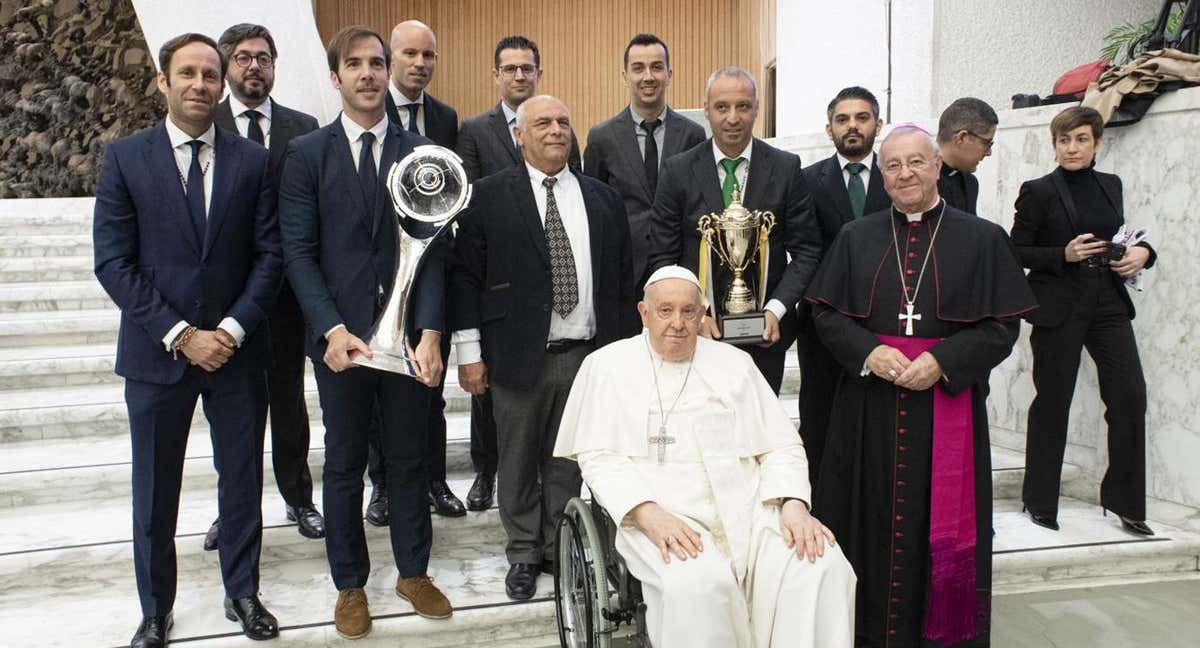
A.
x: 377, y: 510
x: 214, y: 533
x: 257, y: 623
x: 521, y: 582
x: 308, y: 521
x: 1138, y: 528
x: 1046, y: 521
x: 443, y: 501
x: 152, y: 633
x: 479, y: 498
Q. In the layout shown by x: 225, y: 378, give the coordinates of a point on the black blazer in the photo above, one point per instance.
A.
x: 1043, y: 225
x: 152, y: 264
x: 486, y: 147
x: 831, y: 201
x: 612, y: 156
x: 441, y: 121
x: 502, y: 273
x: 341, y: 261
x: 286, y: 124
x: 688, y: 189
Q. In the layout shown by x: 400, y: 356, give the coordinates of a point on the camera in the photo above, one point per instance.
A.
x: 1111, y: 254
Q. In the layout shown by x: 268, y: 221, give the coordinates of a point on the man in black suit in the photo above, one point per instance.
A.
x: 414, y: 58
x: 627, y: 151
x: 187, y: 246
x: 340, y: 248
x: 845, y: 186
x: 966, y: 131
x: 487, y: 145
x: 702, y: 179
x: 249, y: 111
x: 544, y: 277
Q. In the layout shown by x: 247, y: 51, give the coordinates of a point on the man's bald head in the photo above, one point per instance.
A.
x: 414, y: 57
x: 543, y: 130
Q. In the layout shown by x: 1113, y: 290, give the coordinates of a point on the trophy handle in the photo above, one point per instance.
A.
x: 764, y: 255
x: 705, y: 233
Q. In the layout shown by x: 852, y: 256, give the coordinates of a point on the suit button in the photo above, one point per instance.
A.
x: 545, y: 308
x: 196, y: 303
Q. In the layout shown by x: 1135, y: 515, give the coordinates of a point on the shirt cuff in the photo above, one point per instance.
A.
x: 231, y: 326
x: 466, y: 346
x: 777, y: 307
x: 339, y: 326
x: 173, y: 333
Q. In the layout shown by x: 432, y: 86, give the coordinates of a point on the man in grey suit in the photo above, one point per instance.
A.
x: 627, y: 151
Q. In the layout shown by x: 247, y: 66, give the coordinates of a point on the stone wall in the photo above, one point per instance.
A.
x: 74, y: 75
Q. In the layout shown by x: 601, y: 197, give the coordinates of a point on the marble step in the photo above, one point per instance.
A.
x: 45, y: 245
x: 46, y: 269
x: 62, y: 296
x: 57, y: 366
x: 66, y: 328
x: 47, y: 216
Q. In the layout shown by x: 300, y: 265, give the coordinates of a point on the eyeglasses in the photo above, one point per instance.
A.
x: 987, y: 143
x: 511, y: 70
x: 916, y: 166
x: 264, y: 60
x: 689, y: 313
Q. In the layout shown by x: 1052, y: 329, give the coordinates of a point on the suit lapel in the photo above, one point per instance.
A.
x: 500, y: 129
x: 383, y: 200
x: 595, y: 218
x: 625, y: 132
x: 831, y: 177
x: 527, y: 211
x: 1064, y: 195
x: 877, y: 197
x: 160, y: 159
x: 704, y: 169
x: 1109, y: 189
x: 228, y: 168
x: 761, y: 169
x: 339, y: 149
x: 673, y: 142
x: 223, y: 116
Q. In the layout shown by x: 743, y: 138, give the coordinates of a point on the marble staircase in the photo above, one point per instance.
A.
x: 65, y: 549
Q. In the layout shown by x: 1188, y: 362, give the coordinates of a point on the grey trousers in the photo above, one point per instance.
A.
x: 534, y: 486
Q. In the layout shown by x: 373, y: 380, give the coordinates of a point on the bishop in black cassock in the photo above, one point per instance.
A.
x: 917, y: 303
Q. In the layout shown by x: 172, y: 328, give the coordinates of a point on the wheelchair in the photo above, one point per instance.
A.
x: 594, y: 593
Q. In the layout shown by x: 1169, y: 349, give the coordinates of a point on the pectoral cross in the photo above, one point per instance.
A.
x: 909, y: 317
x: 662, y: 440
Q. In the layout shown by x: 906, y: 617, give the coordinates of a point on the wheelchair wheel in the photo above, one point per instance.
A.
x: 581, y: 587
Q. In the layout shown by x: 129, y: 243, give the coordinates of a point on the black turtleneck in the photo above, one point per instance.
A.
x: 1095, y: 213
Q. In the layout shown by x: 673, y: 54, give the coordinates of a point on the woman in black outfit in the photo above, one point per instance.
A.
x: 1063, y: 222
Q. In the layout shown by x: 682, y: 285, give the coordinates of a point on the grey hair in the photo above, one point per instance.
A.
x: 969, y: 114
x: 913, y: 130
x: 730, y: 71
x: 520, y: 119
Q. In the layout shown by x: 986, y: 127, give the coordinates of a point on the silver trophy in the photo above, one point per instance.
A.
x: 428, y: 188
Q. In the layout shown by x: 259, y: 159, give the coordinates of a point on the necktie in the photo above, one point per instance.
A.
x: 513, y: 122
x: 195, y: 191
x: 730, y: 165
x: 412, y: 117
x: 858, y: 193
x: 651, y: 156
x: 368, y: 177
x: 255, y: 132
x: 562, y: 260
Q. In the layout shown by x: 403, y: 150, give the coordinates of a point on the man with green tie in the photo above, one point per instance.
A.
x: 702, y: 180
x: 845, y: 186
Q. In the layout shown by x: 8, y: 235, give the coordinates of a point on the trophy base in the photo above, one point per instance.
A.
x: 387, y: 362
x: 745, y: 329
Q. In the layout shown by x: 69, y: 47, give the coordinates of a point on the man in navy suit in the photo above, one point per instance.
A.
x: 845, y: 186
x: 187, y: 245
x: 340, y: 245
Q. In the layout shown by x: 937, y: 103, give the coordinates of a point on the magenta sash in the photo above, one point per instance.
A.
x: 950, y: 616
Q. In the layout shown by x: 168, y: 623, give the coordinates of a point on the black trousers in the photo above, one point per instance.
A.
x: 437, y: 434
x: 770, y: 360
x: 289, y: 413
x: 534, y: 486
x: 160, y: 417
x: 819, y: 373
x: 485, y: 452
x: 1099, y: 323
x: 348, y: 403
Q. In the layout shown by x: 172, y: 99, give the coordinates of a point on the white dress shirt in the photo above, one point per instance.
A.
x: 868, y: 161
x: 510, y: 117
x: 660, y: 133
x: 580, y: 323
x: 182, y: 149
x: 402, y: 102
x: 242, y: 120
x: 742, y: 173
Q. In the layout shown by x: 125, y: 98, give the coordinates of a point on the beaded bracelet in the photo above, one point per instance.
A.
x: 181, y: 340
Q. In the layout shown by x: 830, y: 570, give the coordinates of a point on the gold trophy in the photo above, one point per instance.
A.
x: 736, y: 235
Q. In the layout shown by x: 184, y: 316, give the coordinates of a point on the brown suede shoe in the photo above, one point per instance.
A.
x: 351, y: 617
x: 427, y: 600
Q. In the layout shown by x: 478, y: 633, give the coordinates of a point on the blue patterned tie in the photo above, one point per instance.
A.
x: 195, y: 192
x: 562, y: 260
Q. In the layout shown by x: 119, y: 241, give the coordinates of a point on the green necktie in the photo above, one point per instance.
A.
x: 730, y: 165
x: 858, y: 193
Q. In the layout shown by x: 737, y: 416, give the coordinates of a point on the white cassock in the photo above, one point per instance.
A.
x: 735, y: 454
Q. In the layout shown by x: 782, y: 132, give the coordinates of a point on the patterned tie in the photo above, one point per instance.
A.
x: 651, y: 157
x: 195, y: 191
x: 368, y: 176
x: 858, y: 193
x: 730, y: 165
x: 562, y: 260
x: 412, y: 117
x: 255, y: 132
